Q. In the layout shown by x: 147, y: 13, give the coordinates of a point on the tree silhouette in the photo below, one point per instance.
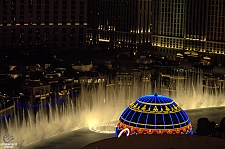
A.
x: 12, y: 87
x: 35, y: 72
x: 221, y: 128
x: 205, y: 127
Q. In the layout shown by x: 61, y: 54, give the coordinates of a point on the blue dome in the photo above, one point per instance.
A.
x: 154, y: 114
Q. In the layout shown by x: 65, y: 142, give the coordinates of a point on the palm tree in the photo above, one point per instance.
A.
x: 12, y: 87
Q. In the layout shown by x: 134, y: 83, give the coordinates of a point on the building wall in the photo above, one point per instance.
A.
x: 192, y: 25
x: 169, y: 23
x: 176, y: 25
x: 205, y: 26
x: 119, y: 23
x: 169, y: 17
x: 28, y: 24
x: 196, y: 20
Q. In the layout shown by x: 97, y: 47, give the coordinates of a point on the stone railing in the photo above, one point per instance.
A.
x: 6, y: 111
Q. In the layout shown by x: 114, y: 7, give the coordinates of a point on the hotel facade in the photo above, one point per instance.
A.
x: 170, y: 26
x: 119, y: 23
x: 49, y: 24
x: 190, y: 25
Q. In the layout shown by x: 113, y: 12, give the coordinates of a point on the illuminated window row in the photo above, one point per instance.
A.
x: 192, y: 45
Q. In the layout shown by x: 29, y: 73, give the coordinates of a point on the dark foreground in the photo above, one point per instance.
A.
x: 159, y: 142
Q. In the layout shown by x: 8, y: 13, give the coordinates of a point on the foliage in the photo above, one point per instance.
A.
x: 12, y: 87
x: 35, y: 72
x: 205, y: 127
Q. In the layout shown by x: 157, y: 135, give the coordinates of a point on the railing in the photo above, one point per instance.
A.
x: 6, y: 109
x: 37, y: 106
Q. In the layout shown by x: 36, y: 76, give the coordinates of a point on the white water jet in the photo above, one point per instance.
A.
x: 104, y: 103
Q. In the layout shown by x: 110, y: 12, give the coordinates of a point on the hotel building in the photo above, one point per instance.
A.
x: 119, y: 23
x: 171, y: 26
x: 189, y: 25
x: 49, y: 24
x: 168, y: 25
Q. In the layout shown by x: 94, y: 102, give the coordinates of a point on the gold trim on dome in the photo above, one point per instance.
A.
x: 153, y: 124
x: 163, y: 110
x: 183, y: 130
x: 147, y: 103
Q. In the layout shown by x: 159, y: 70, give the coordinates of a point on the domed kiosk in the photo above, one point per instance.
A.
x: 153, y: 114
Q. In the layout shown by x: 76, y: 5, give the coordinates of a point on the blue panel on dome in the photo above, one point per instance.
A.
x: 154, y: 99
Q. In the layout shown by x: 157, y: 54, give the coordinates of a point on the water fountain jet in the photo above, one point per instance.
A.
x: 102, y: 103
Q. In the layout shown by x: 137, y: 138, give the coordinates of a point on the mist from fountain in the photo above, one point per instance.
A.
x: 191, y: 93
x: 104, y: 103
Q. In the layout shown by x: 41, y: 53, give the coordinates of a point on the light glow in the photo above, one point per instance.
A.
x: 207, y: 58
x: 96, y: 128
x: 104, y: 40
